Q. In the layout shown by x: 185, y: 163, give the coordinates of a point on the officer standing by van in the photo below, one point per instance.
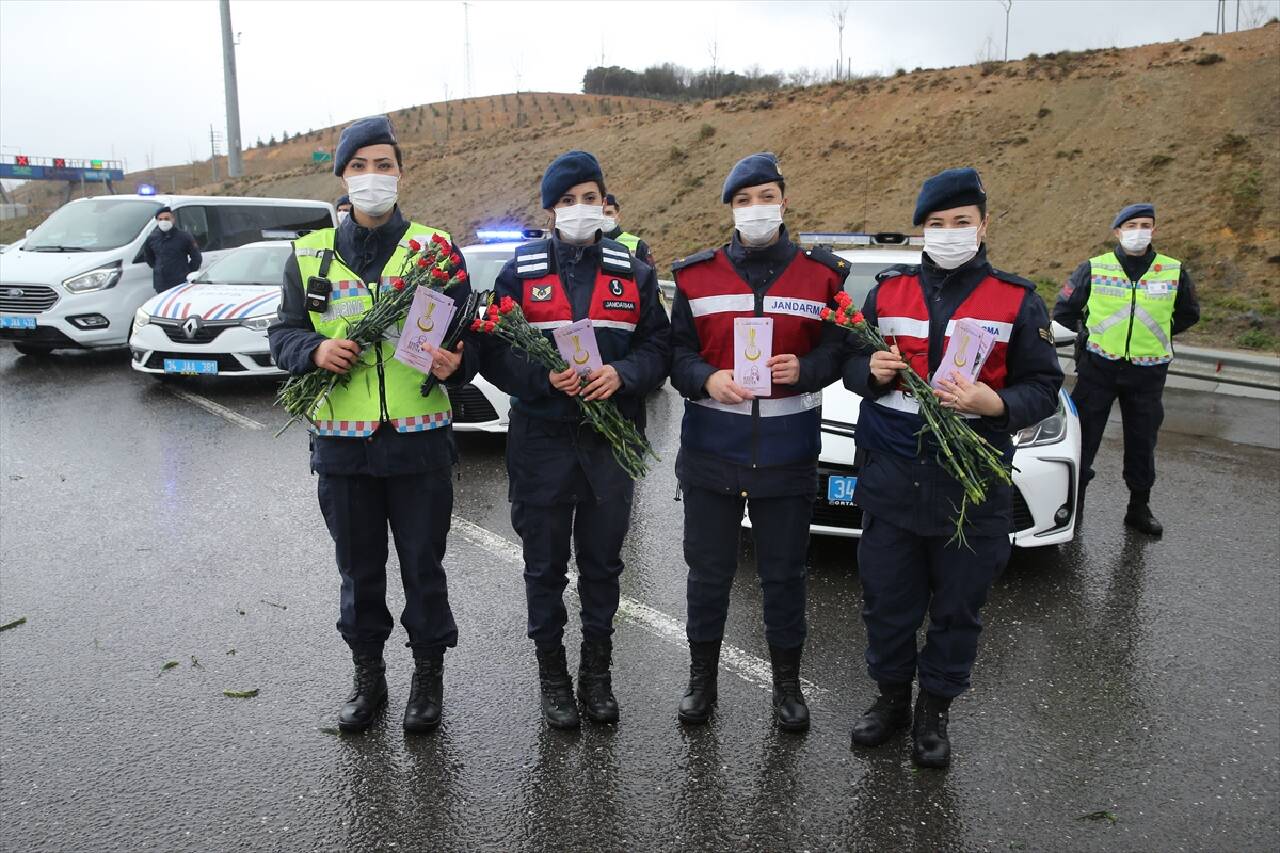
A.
x: 565, y: 486
x: 637, y: 247
x: 739, y: 451
x: 382, y: 451
x: 909, y: 562
x: 171, y: 252
x: 1131, y: 301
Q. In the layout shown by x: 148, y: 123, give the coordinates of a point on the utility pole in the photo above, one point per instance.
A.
x: 1008, y: 6
x: 214, y: 139
x: 838, y: 15
x: 466, y: 49
x: 234, y: 167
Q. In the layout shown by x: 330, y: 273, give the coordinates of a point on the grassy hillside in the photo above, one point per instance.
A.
x: 1062, y: 141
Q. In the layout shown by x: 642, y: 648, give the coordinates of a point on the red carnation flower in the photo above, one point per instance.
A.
x: 398, y: 284
x: 455, y: 259
x: 825, y: 313
x: 491, y: 312
x: 415, y: 246
x: 422, y: 262
x: 439, y: 274
x: 843, y: 299
x: 858, y: 319
x: 476, y: 325
x: 489, y: 326
x: 506, y: 304
x: 438, y: 240
x: 461, y: 276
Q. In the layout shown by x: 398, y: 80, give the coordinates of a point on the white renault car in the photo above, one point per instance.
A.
x: 1046, y: 457
x: 216, y: 323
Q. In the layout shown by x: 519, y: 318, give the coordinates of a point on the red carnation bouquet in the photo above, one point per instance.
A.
x: 965, y: 455
x: 506, y: 321
x: 435, y: 265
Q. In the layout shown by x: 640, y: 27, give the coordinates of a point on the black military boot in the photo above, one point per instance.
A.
x: 558, y: 706
x: 930, y: 747
x: 1139, y: 517
x: 595, y: 685
x: 704, y: 662
x: 368, y: 695
x: 890, y: 712
x: 789, y: 709
x: 426, y: 694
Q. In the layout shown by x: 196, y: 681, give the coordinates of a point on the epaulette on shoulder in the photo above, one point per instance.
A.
x: 697, y: 258
x: 1013, y: 279
x: 828, y: 258
x: 535, y: 259
x: 615, y: 258
x: 897, y: 270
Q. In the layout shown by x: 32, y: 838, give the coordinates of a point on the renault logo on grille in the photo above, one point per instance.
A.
x: 15, y: 292
x: 191, y: 327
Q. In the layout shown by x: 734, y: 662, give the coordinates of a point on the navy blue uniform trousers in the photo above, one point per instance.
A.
x: 1140, y: 390
x: 358, y: 510
x: 904, y: 576
x: 712, y: 531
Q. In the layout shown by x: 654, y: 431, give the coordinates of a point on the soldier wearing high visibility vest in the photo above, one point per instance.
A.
x: 1132, y: 301
x: 613, y: 231
x: 565, y: 486
x: 740, y: 449
x: 383, y: 452
x: 909, y: 562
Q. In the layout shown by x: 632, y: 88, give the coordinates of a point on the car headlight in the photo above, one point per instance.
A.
x: 141, y: 318
x: 99, y: 279
x: 1048, y: 431
x: 259, y: 323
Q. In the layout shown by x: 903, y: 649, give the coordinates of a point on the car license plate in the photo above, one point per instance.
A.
x: 840, y: 490
x: 17, y: 322
x: 190, y: 366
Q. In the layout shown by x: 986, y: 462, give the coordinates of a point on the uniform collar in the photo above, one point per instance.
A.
x: 571, y: 253
x: 1135, y: 265
x: 615, y: 233
x: 779, y: 250
x: 355, y: 230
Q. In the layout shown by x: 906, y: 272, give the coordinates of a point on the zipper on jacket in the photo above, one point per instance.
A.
x: 755, y: 404
x: 1133, y: 307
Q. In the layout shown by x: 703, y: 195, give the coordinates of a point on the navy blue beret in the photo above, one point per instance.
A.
x: 945, y: 190
x: 342, y: 199
x: 374, y: 130
x: 1134, y: 211
x: 569, y: 170
x: 751, y: 171
x: 610, y: 200
x: 165, y: 209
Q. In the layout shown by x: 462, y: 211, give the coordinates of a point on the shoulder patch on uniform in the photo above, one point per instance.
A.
x: 1013, y: 279
x: 697, y: 258
x: 615, y: 258
x: 897, y: 270
x: 1047, y: 334
x: 534, y: 260
x: 828, y: 259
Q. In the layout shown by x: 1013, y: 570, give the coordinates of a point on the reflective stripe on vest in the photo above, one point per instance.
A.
x: 353, y: 410
x: 1128, y: 319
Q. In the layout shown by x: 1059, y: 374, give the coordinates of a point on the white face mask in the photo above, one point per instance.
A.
x: 165, y: 225
x: 610, y: 223
x: 1135, y: 240
x: 342, y: 216
x: 951, y: 247
x: 757, y: 223
x: 578, y: 223
x: 373, y: 194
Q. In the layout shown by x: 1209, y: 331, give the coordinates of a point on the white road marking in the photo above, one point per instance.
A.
x: 216, y: 409
x: 741, y: 663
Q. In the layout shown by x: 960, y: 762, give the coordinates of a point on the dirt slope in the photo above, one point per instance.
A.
x: 1062, y: 142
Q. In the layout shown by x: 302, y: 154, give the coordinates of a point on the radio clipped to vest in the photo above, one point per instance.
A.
x: 319, y: 288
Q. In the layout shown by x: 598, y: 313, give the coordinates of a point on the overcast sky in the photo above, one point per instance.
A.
x: 139, y: 80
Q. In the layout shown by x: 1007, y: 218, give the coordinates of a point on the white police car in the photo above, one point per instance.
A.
x: 216, y: 323
x: 1046, y: 457
x: 479, y: 406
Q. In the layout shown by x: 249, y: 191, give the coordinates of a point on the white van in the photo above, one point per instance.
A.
x: 77, y: 280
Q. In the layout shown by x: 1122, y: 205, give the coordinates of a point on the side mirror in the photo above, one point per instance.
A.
x: 29, y: 230
x: 1062, y: 336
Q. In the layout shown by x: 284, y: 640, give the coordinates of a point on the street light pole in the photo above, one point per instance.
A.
x: 234, y: 167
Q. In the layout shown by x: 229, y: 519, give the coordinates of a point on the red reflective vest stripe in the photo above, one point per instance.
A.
x: 903, y: 318
x: 717, y: 295
x: 615, y: 302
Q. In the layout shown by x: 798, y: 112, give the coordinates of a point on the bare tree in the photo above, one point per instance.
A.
x: 1008, y: 7
x: 839, y: 12
x: 713, y: 51
x: 987, y: 53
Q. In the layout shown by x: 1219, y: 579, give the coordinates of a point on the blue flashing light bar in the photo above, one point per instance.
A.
x: 508, y: 235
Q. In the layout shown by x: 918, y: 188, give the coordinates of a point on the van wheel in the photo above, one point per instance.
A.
x: 33, y: 349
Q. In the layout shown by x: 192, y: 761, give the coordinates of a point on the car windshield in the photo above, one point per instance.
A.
x: 483, y: 265
x: 862, y: 277
x: 261, y: 265
x: 91, y: 226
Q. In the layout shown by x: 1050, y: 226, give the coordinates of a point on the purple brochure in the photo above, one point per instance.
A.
x: 424, y: 328
x: 577, y: 343
x: 752, y: 349
x: 967, y: 349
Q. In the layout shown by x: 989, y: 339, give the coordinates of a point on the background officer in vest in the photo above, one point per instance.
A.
x: 383, y: 452
x: 907, y: 561
x: 564, y: 483
x: 637, y: 247
x: 736, y: 450
x: 1132, y: 302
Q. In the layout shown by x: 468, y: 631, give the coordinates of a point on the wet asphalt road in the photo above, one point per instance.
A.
x: 1117, y: 674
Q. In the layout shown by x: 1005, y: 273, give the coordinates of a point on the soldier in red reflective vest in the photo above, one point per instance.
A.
x: 907, y: 561
x: 740, y: 449
x: 565, y: 485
